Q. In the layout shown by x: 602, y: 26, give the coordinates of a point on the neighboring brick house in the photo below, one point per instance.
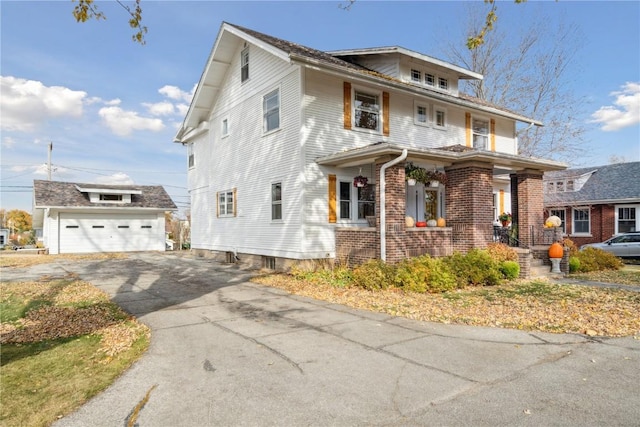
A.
x: 277, y: 133
x: 596, y: 202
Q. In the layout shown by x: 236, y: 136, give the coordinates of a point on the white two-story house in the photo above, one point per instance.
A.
x: 276, y: 133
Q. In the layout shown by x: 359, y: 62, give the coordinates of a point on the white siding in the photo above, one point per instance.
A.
x: 249, y: 161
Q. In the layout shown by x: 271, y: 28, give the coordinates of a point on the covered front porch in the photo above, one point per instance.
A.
x: 466, y: 201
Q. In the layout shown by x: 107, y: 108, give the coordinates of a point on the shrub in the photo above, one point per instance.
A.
x: 574, y: 264
x: 573, y: 249
x: 502, y: 252
x: 594, y: 259
x: 476, y: 267
x: 510, y: 269
x: 424, y: 274
x: 373, y: 275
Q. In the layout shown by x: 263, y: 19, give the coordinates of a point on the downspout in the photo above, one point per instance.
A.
x: 383, y: 202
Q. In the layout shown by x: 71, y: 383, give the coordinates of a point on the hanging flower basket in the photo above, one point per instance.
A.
x: 360, y: 181
x: 419, y: 174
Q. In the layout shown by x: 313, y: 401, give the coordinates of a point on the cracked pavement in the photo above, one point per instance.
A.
x: 227, y: 352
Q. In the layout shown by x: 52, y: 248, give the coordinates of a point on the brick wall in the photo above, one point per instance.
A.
x: 355, y: 245
x: 527, y: 207
x: 469, y: 206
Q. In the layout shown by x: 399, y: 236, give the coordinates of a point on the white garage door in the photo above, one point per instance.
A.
x: 83, y: 233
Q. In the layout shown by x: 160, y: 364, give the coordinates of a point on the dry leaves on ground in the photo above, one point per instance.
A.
x: 566, y: 309
x: 15, y: 259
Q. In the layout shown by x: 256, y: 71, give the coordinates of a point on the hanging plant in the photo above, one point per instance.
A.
x: 360, y: 181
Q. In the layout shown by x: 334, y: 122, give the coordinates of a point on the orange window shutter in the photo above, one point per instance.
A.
x: 217, y: 204
x: 385, y: 113
x: 501, y: 209
x: 347, y: 105
x: 467, y: 124
x: 235, y: 202
x: 333, y: 213
x: 493, y: 135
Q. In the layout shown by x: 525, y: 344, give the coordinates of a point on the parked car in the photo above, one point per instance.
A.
x: 622, y: 245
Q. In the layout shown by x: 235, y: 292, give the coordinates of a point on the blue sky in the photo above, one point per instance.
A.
x: 111, y: 107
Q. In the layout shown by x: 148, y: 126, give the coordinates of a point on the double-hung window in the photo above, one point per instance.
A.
x: 191, y: 156
x: 276, y: 201
x: 480, y: 134
x: 439, y: 117
x: 416, y: 76
x: 443, y: 83
x: 421, y: 114
x: 344, y: 194
x: 430, y: 79
x: 367, y: 110
x: 226, y: 203
x: 627, y: 219
x: 366, y: 201
x: 244, y: 64
x: 271, y: 110
x: 581, y: 222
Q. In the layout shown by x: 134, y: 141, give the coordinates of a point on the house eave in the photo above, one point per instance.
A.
x: 565, y: 203
x: 370, y: 153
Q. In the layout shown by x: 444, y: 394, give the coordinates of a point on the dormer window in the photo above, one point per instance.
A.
x: 416, y: 76
x: 430, y: 79
x: 443, y: 83
x: 110, y: 197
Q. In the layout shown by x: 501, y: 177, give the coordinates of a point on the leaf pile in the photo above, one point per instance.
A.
x: 19, y: 260
x: 538, y: 306
x: 67, y: 308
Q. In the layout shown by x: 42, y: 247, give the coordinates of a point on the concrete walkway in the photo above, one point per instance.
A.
x: 227, y: 352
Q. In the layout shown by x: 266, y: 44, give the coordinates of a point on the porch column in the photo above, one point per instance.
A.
x: 469, y: 204
x: 395, y: 209
x: 527, y: 204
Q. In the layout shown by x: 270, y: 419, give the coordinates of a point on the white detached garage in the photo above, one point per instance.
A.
x: 85, y: 218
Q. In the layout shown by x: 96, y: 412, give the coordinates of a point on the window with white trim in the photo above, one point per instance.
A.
x: 276, y: 201
x: 429, y: 79
x: 560, y: 213
x: 244, y: 64
x: 581, y: 221
x: 110, y: 197
x: 443, y: 83
x: 366, y: 201
x: 271, y: 110
x: 191, y: 156
x: 439, y: 117
x: 225, y: 203
x: 367, y: 110
x: 480, y: 130
x: 628, y: 219
x: 344, y: 196
x: 225, y: 127
x: 421, y: 114
x: 416, y: 76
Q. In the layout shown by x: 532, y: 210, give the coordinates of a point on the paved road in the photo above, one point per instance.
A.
x: 226, y: 352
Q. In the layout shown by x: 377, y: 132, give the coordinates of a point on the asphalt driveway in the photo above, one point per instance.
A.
x: 227, y: 352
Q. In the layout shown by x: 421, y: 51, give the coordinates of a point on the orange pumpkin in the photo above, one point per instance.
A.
x: 556, y: 250
x: 441, y: 222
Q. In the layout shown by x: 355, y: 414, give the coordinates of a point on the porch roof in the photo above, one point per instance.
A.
x: 444, y: 156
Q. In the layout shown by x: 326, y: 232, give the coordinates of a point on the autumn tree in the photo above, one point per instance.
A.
x: 86, y: 10
x: 528, y: 72
x: 18, y: 220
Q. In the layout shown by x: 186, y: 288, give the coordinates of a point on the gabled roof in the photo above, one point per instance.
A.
x: 230, y: 36
x: 59, y: 194
x: 617, y: 183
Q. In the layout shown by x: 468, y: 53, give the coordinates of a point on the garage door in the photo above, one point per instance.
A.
x: 83, y: 233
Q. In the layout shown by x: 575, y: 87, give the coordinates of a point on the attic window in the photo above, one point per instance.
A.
x: 443, y: 83
x: 416, y: 76
x: 244, y: 64
x: 429, y: 79
x: 111, y: 197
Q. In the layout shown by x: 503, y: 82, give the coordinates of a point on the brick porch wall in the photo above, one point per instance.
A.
x: 469, y: 207
x: 527, y: 203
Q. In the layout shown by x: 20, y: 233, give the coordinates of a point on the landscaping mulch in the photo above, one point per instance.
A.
x: 539, y: 305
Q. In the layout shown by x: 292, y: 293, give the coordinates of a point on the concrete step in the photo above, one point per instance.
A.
x: 541, y: 271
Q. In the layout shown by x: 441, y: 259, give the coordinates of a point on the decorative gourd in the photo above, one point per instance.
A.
x: 421, y: 224
x: 441, y: 222
x: 432, y: 223
x: 556, y: 250
x: 409, y: 222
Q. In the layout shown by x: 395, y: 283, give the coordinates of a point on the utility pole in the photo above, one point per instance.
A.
x: 49, y: 160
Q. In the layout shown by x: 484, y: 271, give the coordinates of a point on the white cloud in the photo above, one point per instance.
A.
x: 123, y: 123
x: 626, y: 111
x: 8, y: 142
x: 173, y: 92
x: 119, y: 178
x: 26, y: 104
x: 164, y: 108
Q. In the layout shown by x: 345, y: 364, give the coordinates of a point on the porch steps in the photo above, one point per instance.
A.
x: 540, y: 270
